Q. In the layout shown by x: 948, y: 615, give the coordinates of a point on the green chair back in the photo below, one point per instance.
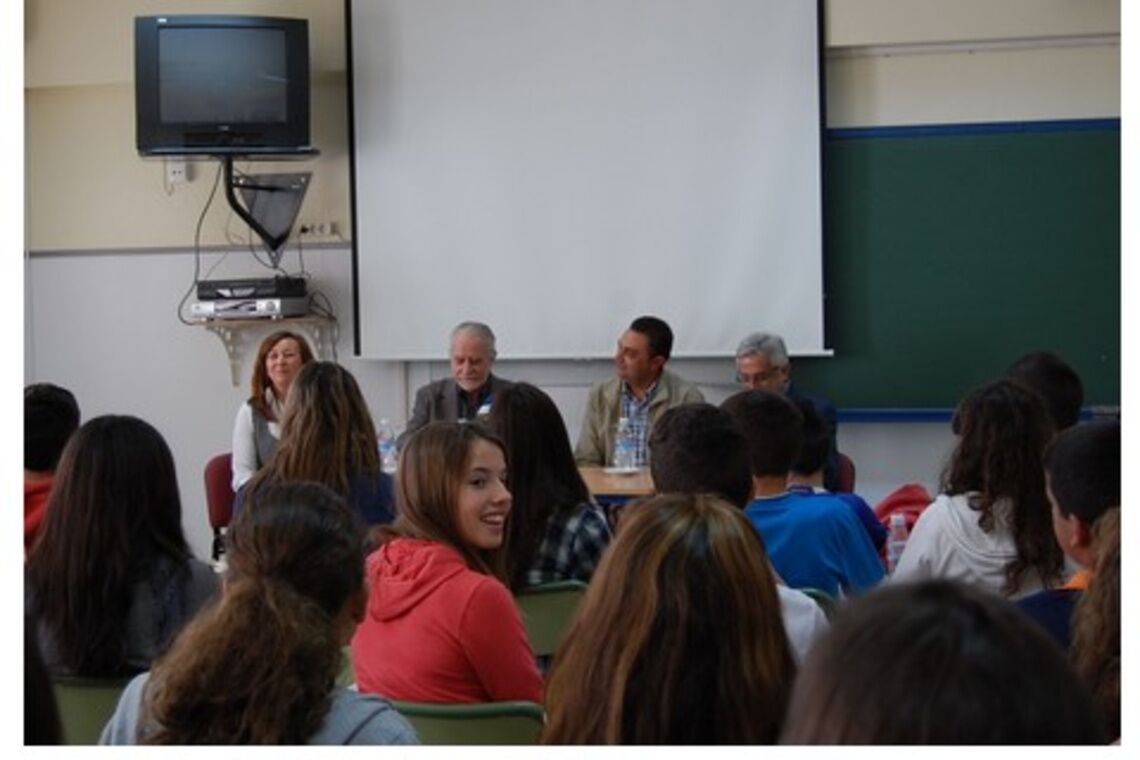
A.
x: 85, y: 705
x: 826, y: 601
x: 547, y: 611
x: 471, y: 724
x: 347, y: 675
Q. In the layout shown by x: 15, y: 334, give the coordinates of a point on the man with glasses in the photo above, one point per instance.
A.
x: 762, y: 363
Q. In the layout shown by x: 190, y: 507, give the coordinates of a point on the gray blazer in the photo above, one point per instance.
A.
x: 439, y: 401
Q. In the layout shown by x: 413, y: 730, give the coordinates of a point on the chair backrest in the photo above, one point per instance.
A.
x: 547, y: 611
x: 826, y: 601
x: 85, y: 705
x: 219, y: 490
x: 845, y: 477
x: 482, y: 723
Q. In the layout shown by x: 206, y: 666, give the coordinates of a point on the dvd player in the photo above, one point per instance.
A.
x: 266, y: 287
x: 250, y: 308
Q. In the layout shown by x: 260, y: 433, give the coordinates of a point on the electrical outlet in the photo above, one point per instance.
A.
x: 318, y: 229
x: 177, y: 171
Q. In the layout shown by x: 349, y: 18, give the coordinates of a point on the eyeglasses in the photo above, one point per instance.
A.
x: 758, y: 378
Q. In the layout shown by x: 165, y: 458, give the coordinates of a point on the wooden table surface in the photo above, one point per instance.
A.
x: 603, y: 484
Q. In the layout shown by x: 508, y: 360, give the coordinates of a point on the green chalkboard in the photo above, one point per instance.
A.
x: 949, y: 255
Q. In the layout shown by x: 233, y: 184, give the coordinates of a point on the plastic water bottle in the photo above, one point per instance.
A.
x: 387, y: 445
x: 625, y: 446
x: 896, y: 540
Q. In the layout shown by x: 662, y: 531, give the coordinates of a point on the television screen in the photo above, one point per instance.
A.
x: 221, y: 85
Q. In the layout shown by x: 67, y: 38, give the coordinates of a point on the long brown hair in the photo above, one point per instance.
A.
x: 259, y: 666
x: 679, y: 638
x: 114, y: 514
x: 260, y: 382
x: 327, y: 434
x: 1095, y: 652
x: 543, y: 475
x: 1003, y: 429
x: 432, y: 467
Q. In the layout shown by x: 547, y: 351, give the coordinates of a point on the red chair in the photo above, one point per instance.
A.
x: 219, y: 497
x: 846, y: 476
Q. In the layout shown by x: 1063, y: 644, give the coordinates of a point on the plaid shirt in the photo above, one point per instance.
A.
x: 637, y: 412
x: 572, y: 546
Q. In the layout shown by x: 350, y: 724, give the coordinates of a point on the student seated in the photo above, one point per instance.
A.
x: 1082, y: 482
x: 990, y: 526
x: 327, y: 437
x: 698, y: 448
x: 556, y: 531
x: 50, y: 417
x: 937, y: 662
x: 111, y: 578
x: 440, y: 625
x: 806, y: 476
x: 678, y: 639
x: 1095, y: 652
x: 259, y: 666
x: 813, y: 540
x: 1058, y: 384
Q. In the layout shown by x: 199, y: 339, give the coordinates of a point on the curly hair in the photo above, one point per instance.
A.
x: 679, y: 638
x: 259, y: 666
x: 1095, y: 651
x: 327, y: 434
x: 1003, y: 430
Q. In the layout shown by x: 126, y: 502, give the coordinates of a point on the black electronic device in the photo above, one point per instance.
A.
x: 266, y: 287
x: 221, y: 85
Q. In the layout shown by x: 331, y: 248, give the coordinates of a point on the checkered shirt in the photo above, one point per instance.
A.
x: 637, y: 412
x: 572, y: 546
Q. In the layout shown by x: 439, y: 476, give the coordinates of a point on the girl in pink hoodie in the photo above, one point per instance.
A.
x: 440, y: 625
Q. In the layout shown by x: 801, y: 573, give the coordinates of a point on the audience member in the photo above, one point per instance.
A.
x: 1096, y: 636
x: 1057, y: 382
x: 1082, y: 482
x: 806, y: 476
x: 640, y: 392
x: 699, y: 449
x: 257, y: 427
x: 678, y: 639
x: 111, y: 579
x: 937, y: 662
x: 50, y: 417
x: 990, y: 524
x: 471, y: 390
x: 327, y: 437
x: 762, y: 364
x: 41, y: 714
x: 556, y: 532
x: 813, y: 540
x: 440, y: 626
x: 259, y: 666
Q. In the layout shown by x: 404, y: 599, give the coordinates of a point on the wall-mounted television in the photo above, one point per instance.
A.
x: 221, y: 85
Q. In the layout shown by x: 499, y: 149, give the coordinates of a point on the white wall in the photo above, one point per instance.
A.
x: 109, y: 248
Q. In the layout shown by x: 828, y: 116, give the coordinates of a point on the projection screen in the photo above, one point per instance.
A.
x: 555, y: 168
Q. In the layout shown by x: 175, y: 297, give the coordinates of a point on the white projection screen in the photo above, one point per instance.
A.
x: 555, y: 168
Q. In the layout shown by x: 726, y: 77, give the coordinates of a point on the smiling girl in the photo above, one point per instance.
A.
x: 440, y: 626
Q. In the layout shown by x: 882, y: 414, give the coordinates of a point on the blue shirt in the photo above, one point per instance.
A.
x: 816, y: 541
x: 637, y: 412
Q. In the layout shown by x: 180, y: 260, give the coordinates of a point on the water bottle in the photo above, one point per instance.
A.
x: 387, y: 445
x: 625, y: 446
x: 896, y: 540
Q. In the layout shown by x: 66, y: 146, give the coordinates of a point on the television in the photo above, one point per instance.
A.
x: 221, y: 85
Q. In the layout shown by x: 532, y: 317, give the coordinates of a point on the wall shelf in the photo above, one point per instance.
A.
x: 236, y: 335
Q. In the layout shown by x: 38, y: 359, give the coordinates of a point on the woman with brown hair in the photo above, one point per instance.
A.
x: 111, y: 579
x: 679, y: 638
x: 1095, y: 651
x: 556, y: 530
x: 257, y: 427
x: 991, y: 526
x: 259, y: 666
x: 440, y: 625
x: 327, y: 436
x: 937, y: 662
